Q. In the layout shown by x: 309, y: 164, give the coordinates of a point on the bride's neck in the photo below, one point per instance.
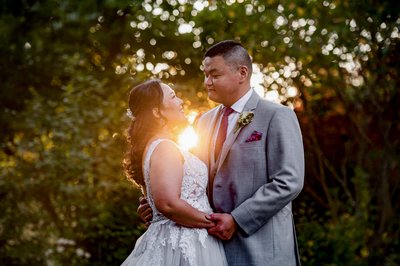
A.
x: 165, y: 132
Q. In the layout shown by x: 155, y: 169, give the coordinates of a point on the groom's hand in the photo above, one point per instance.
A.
x: 144, y: 211
x: 225, y: 225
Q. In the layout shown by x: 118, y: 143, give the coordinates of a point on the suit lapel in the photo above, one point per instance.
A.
x: 214, y: 122
x: 212, y: 127
x: 250, y: 106
x: 205, y: 128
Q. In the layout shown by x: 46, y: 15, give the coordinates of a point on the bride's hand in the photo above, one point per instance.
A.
x: 208, y: 223
x: 144, y: 211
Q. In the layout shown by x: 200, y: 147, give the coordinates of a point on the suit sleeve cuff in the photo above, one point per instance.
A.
x: 245, y: 220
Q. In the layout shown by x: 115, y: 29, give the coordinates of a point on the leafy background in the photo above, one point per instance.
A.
x: 66, y: 69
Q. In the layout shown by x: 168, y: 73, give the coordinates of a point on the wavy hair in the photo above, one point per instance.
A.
x: 142, y: 99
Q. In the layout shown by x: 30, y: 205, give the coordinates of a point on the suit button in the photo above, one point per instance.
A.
x: 218, y: 186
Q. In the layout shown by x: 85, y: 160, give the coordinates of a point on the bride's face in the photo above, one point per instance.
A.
x: 172, y: 108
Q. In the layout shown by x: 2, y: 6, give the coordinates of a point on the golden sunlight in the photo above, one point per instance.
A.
x: 188, y: 138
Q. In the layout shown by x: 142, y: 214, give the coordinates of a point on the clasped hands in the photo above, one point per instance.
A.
x: 224, y: 224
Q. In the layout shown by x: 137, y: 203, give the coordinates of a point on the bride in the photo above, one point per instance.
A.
x: 173, y: 181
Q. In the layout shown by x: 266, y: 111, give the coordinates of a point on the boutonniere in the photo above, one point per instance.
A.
x: 245, y: 118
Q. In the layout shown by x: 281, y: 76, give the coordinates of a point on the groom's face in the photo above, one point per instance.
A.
x: 221, y: 80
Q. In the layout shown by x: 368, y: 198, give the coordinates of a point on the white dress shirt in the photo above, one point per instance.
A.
x: 238, y: 107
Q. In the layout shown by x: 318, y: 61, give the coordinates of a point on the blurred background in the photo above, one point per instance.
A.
x: 67, y: 67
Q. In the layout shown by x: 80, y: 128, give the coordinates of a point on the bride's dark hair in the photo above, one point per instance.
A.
x: 142, y: 99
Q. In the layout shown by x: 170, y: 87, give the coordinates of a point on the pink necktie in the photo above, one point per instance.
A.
x: 222, y: 130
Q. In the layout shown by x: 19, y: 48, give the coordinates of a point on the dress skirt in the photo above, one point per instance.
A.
x: 168, y: 244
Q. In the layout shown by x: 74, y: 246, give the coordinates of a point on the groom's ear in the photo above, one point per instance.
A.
x: 244, y: 73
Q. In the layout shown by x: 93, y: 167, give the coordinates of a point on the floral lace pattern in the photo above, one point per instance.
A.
x: 193, y: 191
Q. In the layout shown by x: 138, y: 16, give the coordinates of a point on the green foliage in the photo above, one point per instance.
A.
x: 67, y: 66
x: 67, y: 186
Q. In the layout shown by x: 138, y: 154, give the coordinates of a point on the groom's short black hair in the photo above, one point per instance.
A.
x: 222, y: 48
x: 232, y: 51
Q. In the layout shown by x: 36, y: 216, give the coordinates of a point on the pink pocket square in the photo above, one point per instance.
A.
x: 254, y: 136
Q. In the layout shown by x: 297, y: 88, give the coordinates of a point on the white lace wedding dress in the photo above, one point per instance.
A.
x: 165, y: 242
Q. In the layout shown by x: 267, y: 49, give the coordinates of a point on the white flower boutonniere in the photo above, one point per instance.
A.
x: 245, y: 118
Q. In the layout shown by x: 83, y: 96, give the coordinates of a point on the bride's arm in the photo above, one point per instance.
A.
x: 166, y: 173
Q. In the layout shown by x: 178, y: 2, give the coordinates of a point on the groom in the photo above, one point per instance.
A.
x: 257, y: 171
x: 254, y: 152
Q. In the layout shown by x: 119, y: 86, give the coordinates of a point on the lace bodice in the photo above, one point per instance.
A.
x: 194, y: 182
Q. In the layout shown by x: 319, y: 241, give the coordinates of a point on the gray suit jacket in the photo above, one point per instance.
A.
x: 256, y: 181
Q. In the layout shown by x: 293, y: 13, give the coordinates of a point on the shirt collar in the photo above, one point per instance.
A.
x: 238, y: 106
